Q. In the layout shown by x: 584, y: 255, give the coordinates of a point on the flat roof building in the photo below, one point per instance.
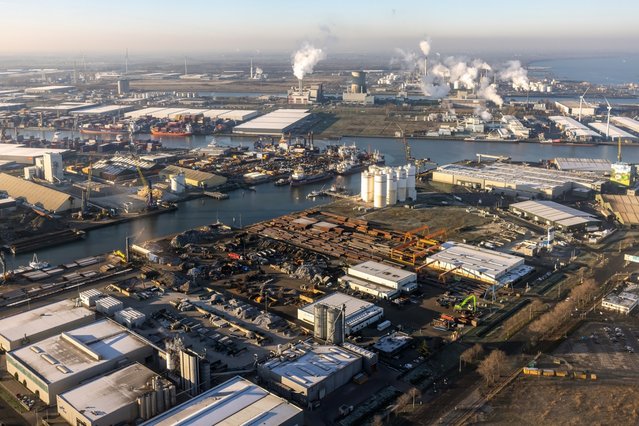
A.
x: 26, y: 155
x: 60, y: 363
x: 48, y: 89
x: 554, y: 214
x: 478, y: 263
x: 235, y: 402
x: 274, y: 123
x: 613, y: 132
x: 597, y: 165
x: 573, y: 129
x: 103, y: 110
x: 359, y: 313
x: 116, y: 398
x: 39, y: 323
x: 627, y: 122
x: 381, y: 273
x: 571, y: 107
x: 308, y: 373
x: 517, y: 180
x: 624, y: 207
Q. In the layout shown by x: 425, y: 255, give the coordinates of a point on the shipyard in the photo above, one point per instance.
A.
x: 317, y: 235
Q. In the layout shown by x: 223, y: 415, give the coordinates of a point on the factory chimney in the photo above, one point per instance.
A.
x: 251, y: 68
x: 425, y: 66
x: 301, y: 81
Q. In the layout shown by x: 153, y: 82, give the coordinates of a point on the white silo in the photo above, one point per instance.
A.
x: 401, y: 184
x: 178, y: 183
x: 379, y: 196
x: 371, y: 185
x: 391, y: 187
x: 411, y: 192
x: 364, y: 187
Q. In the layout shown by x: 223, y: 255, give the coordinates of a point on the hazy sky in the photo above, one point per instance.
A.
x: 154, y: 26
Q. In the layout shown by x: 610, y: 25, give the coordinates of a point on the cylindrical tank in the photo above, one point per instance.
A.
x: 173, y: 393
x: 364, y: 187
x: 154, y: 403
x: 142, y: 408
x: 319, y: 312
x: 411, y: 192
x: 178, y: 183
x: 170, y: 362
x: 167, y: 398
x: 334, y: 326
x: 159, y: 396
x: 371, y: 186
x: 401, y: 185
x: 391, y: 187
x: 147, y: 405
x: 205, y: 375
x: 379, y: 191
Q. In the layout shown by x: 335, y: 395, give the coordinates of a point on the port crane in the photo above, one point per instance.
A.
x: 150, y: 204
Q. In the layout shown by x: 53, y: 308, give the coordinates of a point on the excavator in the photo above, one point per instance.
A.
x: 470, y: 300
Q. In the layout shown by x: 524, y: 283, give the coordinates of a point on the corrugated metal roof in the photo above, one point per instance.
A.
x: 51, y: 199
x: 196, y: 175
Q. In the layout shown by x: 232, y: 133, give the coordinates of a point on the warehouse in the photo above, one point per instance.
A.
x: 359, y: 313
x: 60, y: 363
x: 575, y: 108
x: 627, y: 122
x: 573, y: 129
x: 103, y: 110
x: 48, y: 89
x: 41, y: 323
x: 517, y: 180
x: 478, y: 264
x: 624, y: 302
x: 625, y: 208
x: 597, y: 165
x: 25, y: 155
x: 49, y: 199
x: 172, y: 113
x: 555, y: 214
x: 120, y: 168
x: 235, y: 402
x: 194, y: 178
x: 386, y: 275
x: 11, y: 106
x: 307, y: 373
x: 113, y: 399
x: 65, y: 108
x: 275, y: 123
x: 613, y: 132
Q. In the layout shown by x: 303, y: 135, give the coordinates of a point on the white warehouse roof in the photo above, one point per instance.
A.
x: 614, y: 132
x: 571, y: 125
x: 103, y: 110
x: 357, y: 310
x: 627, y: 122
x: 382, y: 271
x: 555, y: 213
x: 276, y: 122
x: 234, y: 402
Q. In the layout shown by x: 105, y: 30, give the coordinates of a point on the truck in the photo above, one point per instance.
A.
x: 383, y: 325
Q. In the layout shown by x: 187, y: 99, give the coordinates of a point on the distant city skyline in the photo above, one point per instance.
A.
x: 74, y: 27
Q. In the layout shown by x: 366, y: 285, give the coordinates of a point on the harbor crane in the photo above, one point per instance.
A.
x: 149, y: 195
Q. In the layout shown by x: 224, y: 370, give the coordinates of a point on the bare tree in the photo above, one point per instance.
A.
x: 378, y: 420
x: 492, y: 366
x: 414, y: 393
x: 472, y: 354
x: 402, y: 401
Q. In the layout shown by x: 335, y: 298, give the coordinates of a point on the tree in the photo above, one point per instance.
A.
x: 472, y: 354
x: 378, y: 420
x: 415, y: 394
x: 402, y: 401
x: 492, y: 366
x: 424, y: 349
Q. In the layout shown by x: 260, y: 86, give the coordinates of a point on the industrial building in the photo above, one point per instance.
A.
x: 41, y: 323
x: 25, y: 155
x: 576, y: 108
x: 357, y: 92
x: 275, y: 123
x: 122, y: 397
x: 627, y: 122
x: 555, y: 214
x: 48, y: 90
x: 194, y: 178
x: 11, y: 106
x: 120, y: 168
x: 613, y: 132
x: 625, y: 208
x: 573, y: 129
x: 386, y: 186
x: 65, y: 108
x: 517, y: 180
x: 60, y: 363
x: 359, y: 313
x: 53, y: 167
x: 49, y: 199
x: 172, y: 113
x: 103, y: 110
x: 597, y: 165
x: 479, y: 264
x: 235, y: 402
x: 378, y: 279
x: 307, y: 373
x: 123, y: 87
x: 313, y: 94
x: 624, y: 301
x: 516, y: 127
x: 130, y: 318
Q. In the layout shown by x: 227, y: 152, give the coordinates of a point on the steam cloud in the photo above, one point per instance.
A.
x: 305, y: 59
x: 464, y: 73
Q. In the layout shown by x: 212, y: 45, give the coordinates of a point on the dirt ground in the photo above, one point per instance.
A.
x: 543, y: 401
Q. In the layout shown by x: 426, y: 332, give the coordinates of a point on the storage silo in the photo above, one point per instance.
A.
x: 401, y: 184
x: 335, y: 325
x: 319, y: 313
x: 391, y: 187
x: 379, y: 196
x: 411, y: 192
x: 371, y: 186
x: 178, y: 183
x: 364, y: 187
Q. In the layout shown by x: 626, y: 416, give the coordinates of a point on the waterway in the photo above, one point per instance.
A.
x: 246, y: 207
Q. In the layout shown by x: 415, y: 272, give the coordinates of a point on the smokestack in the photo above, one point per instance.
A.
x: 251, y: 68
x: 301, y: 85
x: 425, y: 66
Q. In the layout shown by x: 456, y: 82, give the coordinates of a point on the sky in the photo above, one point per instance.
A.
x: 76, y: 27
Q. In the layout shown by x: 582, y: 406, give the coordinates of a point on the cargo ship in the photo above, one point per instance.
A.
x: 172, y: 130
x: 349, y: 167
x: 107, y: 129
x: 299, y: 177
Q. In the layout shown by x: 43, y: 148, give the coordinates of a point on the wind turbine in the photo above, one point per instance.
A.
x: 608, y: 119
x: 581, y: 101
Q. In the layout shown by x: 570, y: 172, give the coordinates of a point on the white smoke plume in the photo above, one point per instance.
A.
x: 434, y: 87
x: 488, y: 91
x: 424, y: 45
x: 305, y: 59
x: 517, y: 75
x: 406, y: 59
x: 483, y: 113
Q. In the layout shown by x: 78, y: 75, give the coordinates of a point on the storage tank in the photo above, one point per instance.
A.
x: 364, y: 187
x: 205, y: 375
x: 142, y: 409
x: 178, y: 183
x: 335, y: 325
x: 173, y: 393
x: 319, y: 312
x: 401, y: 184
x: 371, y: 186
x: 411, y: 192
x: 391, y: 188
x: 379, y: 191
